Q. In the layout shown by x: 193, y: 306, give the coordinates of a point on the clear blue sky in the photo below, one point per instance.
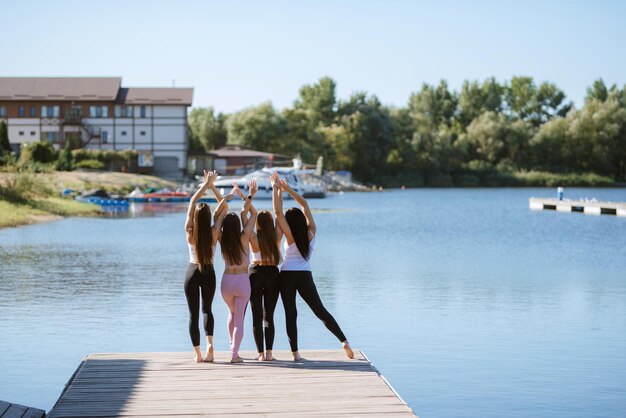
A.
x: 241, y: 53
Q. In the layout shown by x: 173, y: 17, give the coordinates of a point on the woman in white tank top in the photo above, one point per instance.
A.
x: 299, y: 228
x: 200, y: 276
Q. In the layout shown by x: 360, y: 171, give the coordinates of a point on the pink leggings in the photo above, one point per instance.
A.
x: 236, y: 294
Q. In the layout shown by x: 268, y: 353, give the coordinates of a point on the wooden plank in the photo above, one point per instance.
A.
x: 172, y: 385
x: 14, y: 411
x: 9, y: 410
x: 34, y: 413
x: 3, y: 407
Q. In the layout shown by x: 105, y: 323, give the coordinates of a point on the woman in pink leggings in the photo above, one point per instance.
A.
x: 235, y: 281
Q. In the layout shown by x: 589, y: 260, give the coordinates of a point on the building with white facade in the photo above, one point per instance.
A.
x: 98, y: 113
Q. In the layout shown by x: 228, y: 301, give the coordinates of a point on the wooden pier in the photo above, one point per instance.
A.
x: 12, y: 410
x: 171, y: 385
x: 591, y: 207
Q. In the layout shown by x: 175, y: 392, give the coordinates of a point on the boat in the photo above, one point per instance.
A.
x: 160, y: 195
x: 304, y: 182
x: 102, y: 197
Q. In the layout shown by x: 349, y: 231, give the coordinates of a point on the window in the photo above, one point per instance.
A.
x: 105, y: 137
x: 33, y: 111
x: 3, y: 112
x: 50, y: 111
x: 33, y: 133
x: 123, y: 111
x: 142, y: 111
x: 123, y: 133
x: 21, y: 111
x: 51, y: 136
x: 143, y: 133
x: 98, y: 111
x: 21, y: 133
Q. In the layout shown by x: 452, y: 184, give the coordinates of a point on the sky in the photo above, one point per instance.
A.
x: 237, y: 54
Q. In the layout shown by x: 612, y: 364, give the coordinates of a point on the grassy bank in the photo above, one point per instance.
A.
x: 501, y: 179
x: 41, y: 210
x: 27, y: 198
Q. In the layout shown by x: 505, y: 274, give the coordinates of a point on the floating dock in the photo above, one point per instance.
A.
x: 169, y: 385
x: 592, y: 207
x: 12, y: 410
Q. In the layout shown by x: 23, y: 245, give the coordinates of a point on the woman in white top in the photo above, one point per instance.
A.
x: 200, y: 276
x: 295, y: 274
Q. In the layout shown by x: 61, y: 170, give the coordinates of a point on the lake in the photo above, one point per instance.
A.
x: 468, y: 302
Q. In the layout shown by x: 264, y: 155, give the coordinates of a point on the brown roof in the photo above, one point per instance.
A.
x: 155, y: 95
x: 59, y: 88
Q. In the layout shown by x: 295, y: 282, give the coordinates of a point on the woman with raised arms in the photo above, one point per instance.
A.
x: 234, y: 243
x: 200, y: 276
x: 263, y: 271
x: 299, y: 228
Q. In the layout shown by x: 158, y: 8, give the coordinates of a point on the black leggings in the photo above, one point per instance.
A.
x: 302, y: 282
x: 199, y: 284
x: 263, y: 300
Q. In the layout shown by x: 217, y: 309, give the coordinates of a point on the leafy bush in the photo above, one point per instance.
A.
x: 103, y: 156
x: 39, y: 152
x: 93, y: 164
x: 65, y: 162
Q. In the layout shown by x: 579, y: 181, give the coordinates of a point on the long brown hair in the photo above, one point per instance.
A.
x: 299, y: 230
x: 231, y: 239
x: 202, y: 236
x: 266, y: 236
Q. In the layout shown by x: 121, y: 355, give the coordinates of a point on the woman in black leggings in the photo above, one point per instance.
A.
x: 295, y: 275
x: 200, y: 276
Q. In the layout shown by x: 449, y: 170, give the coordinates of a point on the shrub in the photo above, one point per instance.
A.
x: 65, y: 161
x: 39, y: 152
x: 93, y: 164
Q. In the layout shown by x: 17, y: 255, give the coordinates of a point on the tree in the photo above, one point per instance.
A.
x: 207, y: 128
x: 5, y: 147
x: 496, y: 139
x: 65, y: 162
x: 599, y: 137
x: 535, y: 104
x: 550, y: 146
x: 597, y: 91
x: 362, y: 136
x: 432, y: 106
x: 476, y: 98
x: 259, y: 128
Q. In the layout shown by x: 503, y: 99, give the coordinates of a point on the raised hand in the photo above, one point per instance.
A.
x: 237, y: 190
x: 285, y: 186
x: 253, y: 187
x: 274, y: 179
x: 209, y: 177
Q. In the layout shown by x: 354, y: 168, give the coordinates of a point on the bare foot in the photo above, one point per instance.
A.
x: 198, y: 359
x: 296, y: 356
x: 236, y: 360
x: 268, y: 355
x: 261, y: 357
x: 208, y: 358
x: 347, y: 349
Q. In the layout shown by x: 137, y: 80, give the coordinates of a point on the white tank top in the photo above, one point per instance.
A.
x: 256, y: 256
x: 294, y: 260
x: 192, y: 253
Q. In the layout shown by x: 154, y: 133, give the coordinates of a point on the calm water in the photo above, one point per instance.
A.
x: 467, y: 301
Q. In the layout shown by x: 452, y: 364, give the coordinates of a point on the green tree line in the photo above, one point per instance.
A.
x: 441, y: 137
